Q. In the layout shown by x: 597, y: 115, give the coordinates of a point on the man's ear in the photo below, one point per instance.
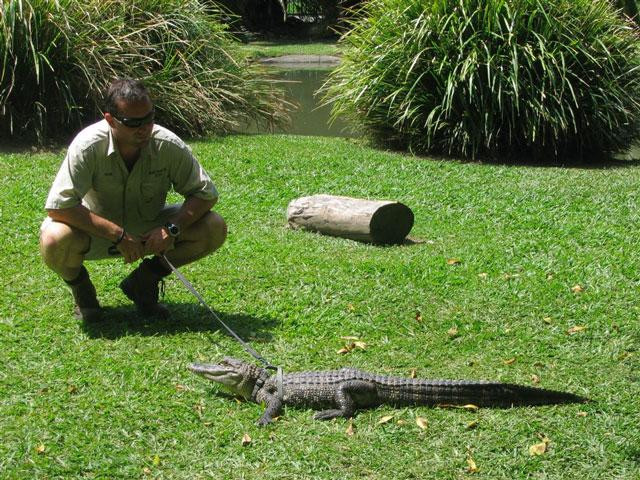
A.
x: 109, y: 118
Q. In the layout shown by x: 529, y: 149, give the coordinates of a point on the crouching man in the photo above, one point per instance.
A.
x: 108, y: 200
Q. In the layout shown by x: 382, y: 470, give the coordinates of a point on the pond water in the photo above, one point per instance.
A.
x: 300, y: 83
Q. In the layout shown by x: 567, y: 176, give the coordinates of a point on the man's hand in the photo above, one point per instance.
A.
x: 157, y: 241
x: 131, y: 248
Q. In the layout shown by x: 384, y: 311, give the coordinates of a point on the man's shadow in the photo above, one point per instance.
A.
x: 123, y: 320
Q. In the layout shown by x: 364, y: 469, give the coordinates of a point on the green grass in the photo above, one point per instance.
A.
x: 116, y: 400
x: 264, y: 48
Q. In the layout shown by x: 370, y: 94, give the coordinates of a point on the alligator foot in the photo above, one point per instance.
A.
x: 263, y: 421
x: 329, y: 414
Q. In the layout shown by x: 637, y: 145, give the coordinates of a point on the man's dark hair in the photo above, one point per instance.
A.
x: 126, y: 89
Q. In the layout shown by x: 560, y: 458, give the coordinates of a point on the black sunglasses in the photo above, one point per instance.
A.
x: 136, y: 122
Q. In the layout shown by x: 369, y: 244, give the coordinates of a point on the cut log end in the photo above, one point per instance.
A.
x: 391, y: 224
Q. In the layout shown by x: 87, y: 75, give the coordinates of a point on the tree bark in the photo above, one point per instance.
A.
x: 374, y: 221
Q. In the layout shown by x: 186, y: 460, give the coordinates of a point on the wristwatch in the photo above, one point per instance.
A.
x: 173, y: 229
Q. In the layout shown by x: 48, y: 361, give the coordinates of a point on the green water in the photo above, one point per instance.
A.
x: 309, y: 117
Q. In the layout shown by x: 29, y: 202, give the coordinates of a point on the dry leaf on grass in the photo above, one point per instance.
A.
x: 576, y: 329
x: 246, y: 440
x: 350, y: 347
x: 624, y: 355
x: 577, y: 289
x: 469, y: 406
x: 351, y: 430
x: 547, y: 320
x: 454, y: 261
x: 453, y: 332
x: 471, y: 465
x: 418, y: 317
x: 40, y: 449
x: 473, y: 424
x: 385, y: 419
x: 535, y: 379
x: 421, y: 422
x: 509, y: 361
x: 483, y: 276
x: 537, y: 449
x: 540, y: 448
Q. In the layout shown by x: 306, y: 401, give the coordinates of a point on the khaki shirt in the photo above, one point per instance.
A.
x: 94, y: 174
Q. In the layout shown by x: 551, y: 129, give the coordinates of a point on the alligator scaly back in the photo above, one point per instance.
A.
x: 341, y: 392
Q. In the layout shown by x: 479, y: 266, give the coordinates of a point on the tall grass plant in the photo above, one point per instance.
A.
x: 58, y: 56
x: 493, y: 77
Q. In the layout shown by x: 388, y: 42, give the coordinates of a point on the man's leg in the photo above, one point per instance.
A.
x: 199, y: 240
x: 63, y: 249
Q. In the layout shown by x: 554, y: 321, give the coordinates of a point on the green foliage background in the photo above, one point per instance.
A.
x: 499, y: 78
x: 58, y: 55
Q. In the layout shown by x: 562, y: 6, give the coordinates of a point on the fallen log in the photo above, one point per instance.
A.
x: 374, y: 221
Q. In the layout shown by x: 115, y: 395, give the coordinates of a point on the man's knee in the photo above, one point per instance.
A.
x: 58, y: 239
x: 216, y: 229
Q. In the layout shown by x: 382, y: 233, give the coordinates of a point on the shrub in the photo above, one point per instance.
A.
x: 59, y: 55
x: 492, y: 77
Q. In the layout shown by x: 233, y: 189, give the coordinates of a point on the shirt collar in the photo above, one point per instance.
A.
x: 111, y: 147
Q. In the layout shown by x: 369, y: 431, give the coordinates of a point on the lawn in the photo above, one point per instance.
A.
x: 522, y: 274
x: 265, y: 48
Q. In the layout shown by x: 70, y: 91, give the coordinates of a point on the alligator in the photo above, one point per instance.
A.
x: 343, y: 391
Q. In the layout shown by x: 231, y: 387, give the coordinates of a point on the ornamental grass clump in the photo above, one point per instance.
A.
x: 476, y: 78
x: 57, y: 57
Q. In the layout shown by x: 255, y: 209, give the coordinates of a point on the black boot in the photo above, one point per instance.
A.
x: 141, y: 286
x: 86, y: 306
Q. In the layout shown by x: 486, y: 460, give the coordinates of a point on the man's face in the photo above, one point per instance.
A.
x: 131, y: 113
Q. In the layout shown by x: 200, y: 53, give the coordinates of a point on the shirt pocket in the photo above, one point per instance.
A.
x: 153, y: 195
x: 106, y: 196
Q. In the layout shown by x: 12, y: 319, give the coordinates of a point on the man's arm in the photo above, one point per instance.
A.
x: 192, y: 209
x: 83, y: 219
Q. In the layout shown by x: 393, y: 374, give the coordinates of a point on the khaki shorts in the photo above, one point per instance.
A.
x: 102, y: 248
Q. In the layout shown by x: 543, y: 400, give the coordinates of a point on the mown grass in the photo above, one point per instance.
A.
x: 264, y: 48
x: 116, y: 400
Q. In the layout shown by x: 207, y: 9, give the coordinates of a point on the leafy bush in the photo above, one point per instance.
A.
x: 59, y: 55
x: 492, y: 77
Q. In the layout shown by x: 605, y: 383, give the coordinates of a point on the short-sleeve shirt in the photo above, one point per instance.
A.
x: 94, y: 174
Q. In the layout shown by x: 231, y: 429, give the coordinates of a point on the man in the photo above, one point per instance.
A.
x: 108, y: 200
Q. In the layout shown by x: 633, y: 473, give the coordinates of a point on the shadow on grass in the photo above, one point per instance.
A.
x: 598, y: 164
x: 123, y: 321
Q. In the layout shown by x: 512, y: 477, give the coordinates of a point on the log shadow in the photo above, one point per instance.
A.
x: 124, y: 321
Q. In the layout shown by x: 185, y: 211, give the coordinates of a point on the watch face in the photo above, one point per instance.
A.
x: 174, y: 231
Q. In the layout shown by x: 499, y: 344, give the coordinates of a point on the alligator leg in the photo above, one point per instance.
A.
x: 344, y: 399
x: 274, y: 407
